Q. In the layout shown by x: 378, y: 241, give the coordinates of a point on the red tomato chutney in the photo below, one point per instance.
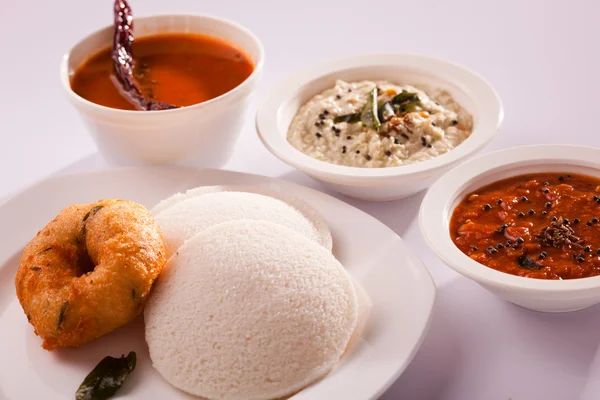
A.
x: 543, y: 225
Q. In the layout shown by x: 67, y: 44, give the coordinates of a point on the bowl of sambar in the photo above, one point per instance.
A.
x: 203, y: 67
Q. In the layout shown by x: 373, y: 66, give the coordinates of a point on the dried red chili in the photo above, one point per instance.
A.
x: 123, y: 63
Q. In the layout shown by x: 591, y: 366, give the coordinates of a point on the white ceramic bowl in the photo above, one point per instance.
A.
x: 201, y: 135
x: 449, y: 190
x: 468, y: 88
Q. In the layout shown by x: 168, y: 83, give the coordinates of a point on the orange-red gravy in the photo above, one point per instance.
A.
x: 543, y: 225
x: 176, y: 68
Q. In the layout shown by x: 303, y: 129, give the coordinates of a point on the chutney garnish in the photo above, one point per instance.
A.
x: 558, y: 234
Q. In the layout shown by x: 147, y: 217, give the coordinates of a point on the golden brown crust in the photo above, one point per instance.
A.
x: 89, y: 271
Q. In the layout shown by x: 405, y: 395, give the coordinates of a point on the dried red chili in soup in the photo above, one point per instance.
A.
x: 537, y: 225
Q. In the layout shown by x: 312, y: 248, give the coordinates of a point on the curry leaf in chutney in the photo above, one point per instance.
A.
x: 405, y: 97
x: 372, y: 115
x: 349, y: 118
x: 406, y: 108
x: 368, y: 115
x: 386, y: 111
x: 106, y: 378
x: 405, y: 102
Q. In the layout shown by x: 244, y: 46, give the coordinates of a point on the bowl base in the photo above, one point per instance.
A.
x: 566, y: 310
x: 377, y: 193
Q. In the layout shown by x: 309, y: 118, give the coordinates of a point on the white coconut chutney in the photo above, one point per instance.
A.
x: 423, y: 124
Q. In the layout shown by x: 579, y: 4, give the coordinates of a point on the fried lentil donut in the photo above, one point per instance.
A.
x: 89, y: 271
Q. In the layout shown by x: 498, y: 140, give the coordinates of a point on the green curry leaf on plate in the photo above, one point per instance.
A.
x: 106, y: 378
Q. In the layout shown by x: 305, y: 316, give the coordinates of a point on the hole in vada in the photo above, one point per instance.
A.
x: 84, y: 264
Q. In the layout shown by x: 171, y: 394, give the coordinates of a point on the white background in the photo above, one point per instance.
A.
x: 543, y: 57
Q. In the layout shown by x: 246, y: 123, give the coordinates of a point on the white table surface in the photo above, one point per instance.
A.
x: 544, y: 60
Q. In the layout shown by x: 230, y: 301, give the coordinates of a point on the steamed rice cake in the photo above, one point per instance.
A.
x: 249, y: 310
x: 184, y: 218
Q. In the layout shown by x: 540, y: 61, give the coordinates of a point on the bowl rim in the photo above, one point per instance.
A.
x: 489, y: 121
x: 435, y: 212
x: 74, y: 97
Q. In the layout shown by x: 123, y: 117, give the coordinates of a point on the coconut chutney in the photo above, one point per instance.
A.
x: 379, y: 124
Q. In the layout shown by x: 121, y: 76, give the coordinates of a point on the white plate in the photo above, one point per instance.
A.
x: 398, y: 284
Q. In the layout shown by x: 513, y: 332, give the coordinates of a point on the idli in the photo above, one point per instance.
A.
x: 249, y: 310
x: 270, y: 190
x: 184, y: 219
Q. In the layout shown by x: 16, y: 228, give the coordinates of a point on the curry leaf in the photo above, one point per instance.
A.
x: 368, y: 115
x: 386, y: 111
x: 349, y: 118
x: 62, y: 314
x: 108, y: 376
x: 405, y: 97
x: 405, y: 102
x: 406, y: 108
